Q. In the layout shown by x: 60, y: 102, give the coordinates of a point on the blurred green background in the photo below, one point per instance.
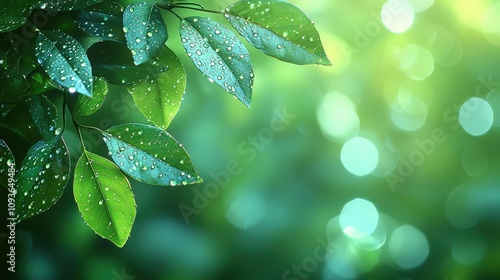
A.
x: 382, y: 166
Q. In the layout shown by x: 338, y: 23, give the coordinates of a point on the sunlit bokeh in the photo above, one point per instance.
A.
x: 408, y: 247
x: 359, y: 156
x: 476, y: 116
x: 384, y: 165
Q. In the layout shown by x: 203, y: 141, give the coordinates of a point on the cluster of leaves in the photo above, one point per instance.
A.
x: 45, y: 71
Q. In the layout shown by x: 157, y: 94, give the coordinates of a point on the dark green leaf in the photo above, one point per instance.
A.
x: 44, y: 115
x: 40, y: 82
x: 219, y: 54
x: 145, y: 30
x: 6, y: 162
x: 86, y: 106
x: 65, y: 61
x: 159, y: 97
x: 13, y: 89
x: 103, y: 20
x: 10, y: 65
x: 115, y: 64
x: 279, y: 29
x: 42, y: 178
x: 20, y: 120
x: 149, y: 154
x: 104, y: 198
x: 66, y: 5
x: 13, y: 14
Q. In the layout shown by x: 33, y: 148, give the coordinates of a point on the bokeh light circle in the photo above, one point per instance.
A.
x: 416, y: 62
x: 337, y: 117
x: 408, y: 112
x: 491, y: 24
x: 475, y: 159
x: 421, y: 5
x: 359, y: 156
x: 469, y: 249
x: 397, y: 15
x: 460, y: 209
x: 358, y: 218
x: 408, y: 247
x: 476, y: 116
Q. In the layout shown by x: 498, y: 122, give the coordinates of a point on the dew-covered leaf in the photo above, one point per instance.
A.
x: 65, y: 61
x: 103, y: 20
x: 219, y: 54
x: 40, y: 82
x: 18, y: 120
x: 13, y: 14
x: 33, y: 119
x: 7, y: 164
x: 279, y: 29
x: 13, y: 89
x: 145, y: 30
x: 45, y: 117
x: 66, y: 5
x: 149, y: 154
x: 114, y: 62
x: 86, y: 106
x: 42, y: 177
x: 10, y: 65
x: 159, y: 97
x: 104, y: 198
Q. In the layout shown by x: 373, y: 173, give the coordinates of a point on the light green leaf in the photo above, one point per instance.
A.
x: 220, y: 55
x: 7, y: 162
x: 42, y: 177
x: 115, y: 64
x: 145, y: 31
x: 65, y: 61
x: 103, y: 20
x: 149, y: 154
x: 159, y: 97
x: 104, y: 198
x: 279, y: 29
x: 86, y: 106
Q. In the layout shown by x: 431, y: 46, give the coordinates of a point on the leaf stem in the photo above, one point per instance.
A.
x: 197, y: 9
x: 188, y: 6
x: 180, y: 4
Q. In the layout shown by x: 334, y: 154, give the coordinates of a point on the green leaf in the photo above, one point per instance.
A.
x: 44, y: 115
x: 279, y: 29
x: 219, y: 54
x: 10, y: 65
x: 7, y: 162
x: 104, y: 198
x: 13, y: 14
x: 40, y: 82
x: 65, y: 61
x: 33, y: 119
x: 13, y: 89
x: 145, y: 31
x: 66, y: 5
x: 114, y: 62
x: 149, y: 154
x: 42, y: 177
x: 103, y: 20
x: 159, y: 97
x: 86, y: 106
